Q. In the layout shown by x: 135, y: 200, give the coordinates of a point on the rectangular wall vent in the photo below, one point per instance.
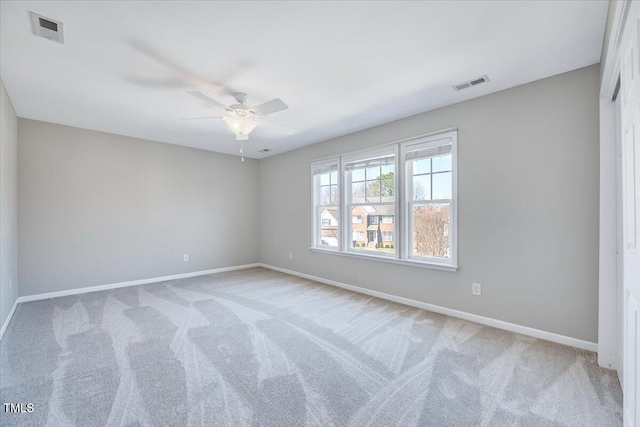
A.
x: 470, y: 83
x: 46, y: 27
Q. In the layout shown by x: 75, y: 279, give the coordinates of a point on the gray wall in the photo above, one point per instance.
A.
x: 528, y: 207
x: 98, y: 208
x: 8, y: 205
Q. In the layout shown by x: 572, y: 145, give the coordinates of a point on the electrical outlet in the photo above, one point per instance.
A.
x: 10, y: 285
x: 290, y: 255
x: 476, y: 289
x: 186, y: 257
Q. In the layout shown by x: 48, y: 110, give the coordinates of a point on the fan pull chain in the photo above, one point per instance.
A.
x: 241, y: 150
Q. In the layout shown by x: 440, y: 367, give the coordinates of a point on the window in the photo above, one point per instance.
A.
x: 326, y: 201
x: 429, y: 185
x: 370, y: 181
x: 415, y: 178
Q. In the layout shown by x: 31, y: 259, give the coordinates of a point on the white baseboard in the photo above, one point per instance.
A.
x: 511, y: 327
x: 8, y: 319
x: 132, y: 283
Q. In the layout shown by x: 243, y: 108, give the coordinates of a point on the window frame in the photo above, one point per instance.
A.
x: 316, y: 214
x: 403, y: 203
x: 431, y: 141
x: 347, y: 194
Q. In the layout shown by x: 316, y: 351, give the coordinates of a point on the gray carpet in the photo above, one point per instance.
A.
x: 261, y: 348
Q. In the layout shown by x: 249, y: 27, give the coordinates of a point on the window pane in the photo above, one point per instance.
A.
x: 388, y: 169
x: 372, y: 234
x: 334, y: 178
x: 334, y: 195
x: 431, y: 230
x: 359, y: 228
x: 373, y: 191
x: 324, y: 195
x: 357, y: 175
x: 328, y: 227
x: 388, y: 183
x: 325, y: 179
x: 422, y: 187
x: 373, y: 173
x: 421, y: 166
x: 442, y: 185
x: 442, y: 163
x: 357, y: 192
x: 388, y: 188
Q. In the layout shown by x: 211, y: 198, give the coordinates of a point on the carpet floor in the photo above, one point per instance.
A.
x: 261, y: 348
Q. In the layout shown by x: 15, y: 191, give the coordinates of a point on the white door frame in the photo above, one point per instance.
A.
x: 609, y: 315
x: 619, y: 281
x: 610, y: 246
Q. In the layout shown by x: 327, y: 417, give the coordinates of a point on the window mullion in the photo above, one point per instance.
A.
x: 403, y: 185
x: 431, y: 177
x: 345, y: 181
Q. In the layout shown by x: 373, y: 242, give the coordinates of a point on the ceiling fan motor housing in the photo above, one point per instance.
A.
x: 242, y: 110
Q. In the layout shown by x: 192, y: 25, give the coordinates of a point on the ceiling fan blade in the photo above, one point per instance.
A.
x: 270, y: 107
x: 205, y: 98
x: 287, y: 130
x: 157, y: 83
x: 200, y: 118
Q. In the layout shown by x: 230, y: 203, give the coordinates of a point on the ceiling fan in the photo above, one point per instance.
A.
x: 241, y: 118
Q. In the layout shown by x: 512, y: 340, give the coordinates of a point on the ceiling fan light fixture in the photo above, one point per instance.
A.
x: 240, y: 125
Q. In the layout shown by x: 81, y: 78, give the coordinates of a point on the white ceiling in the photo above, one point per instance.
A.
x: 126, y: 67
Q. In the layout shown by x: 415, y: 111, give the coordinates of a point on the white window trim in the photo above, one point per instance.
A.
x: 377, y: 258
x: 401, y: 220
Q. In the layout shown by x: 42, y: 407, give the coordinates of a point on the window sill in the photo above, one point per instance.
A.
x: 409, y: 262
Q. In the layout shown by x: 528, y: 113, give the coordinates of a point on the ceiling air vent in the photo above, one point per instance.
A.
x: 47, y: 28
x: 470, y: 83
